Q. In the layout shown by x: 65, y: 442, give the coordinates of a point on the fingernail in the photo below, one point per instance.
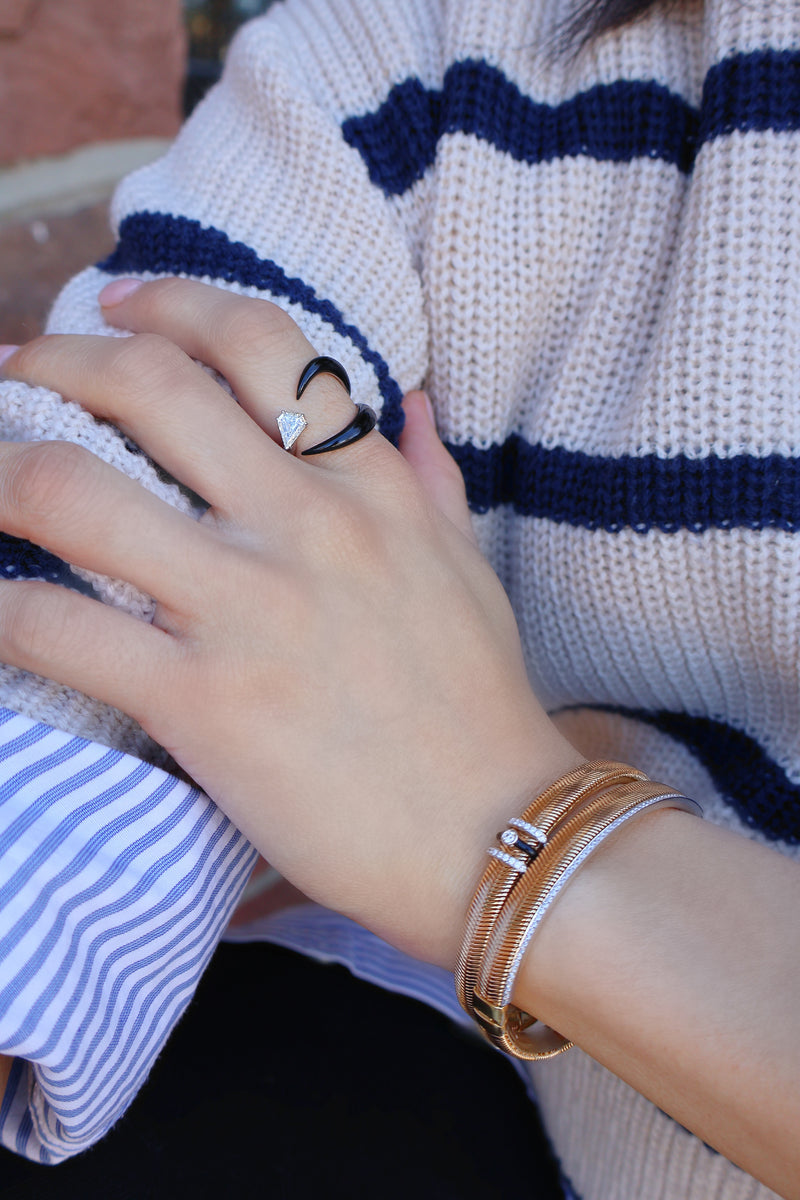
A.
x: 119, y: 290
x: 6, y: 352
x: 429, y: 407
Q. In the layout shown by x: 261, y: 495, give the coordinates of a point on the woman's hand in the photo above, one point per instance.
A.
x: 331, y: 658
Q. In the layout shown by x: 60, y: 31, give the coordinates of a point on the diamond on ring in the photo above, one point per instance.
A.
x: 290, y: 426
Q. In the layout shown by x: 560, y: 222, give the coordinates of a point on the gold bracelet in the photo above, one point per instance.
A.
x: 518, y: 846
x: 498, y: 932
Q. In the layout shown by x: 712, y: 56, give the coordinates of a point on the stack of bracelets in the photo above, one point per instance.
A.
x: 535, y: 857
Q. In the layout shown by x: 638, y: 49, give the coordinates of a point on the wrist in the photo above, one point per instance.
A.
x: 589, y: 942
x: 533, y: 859
x: 515, y: 782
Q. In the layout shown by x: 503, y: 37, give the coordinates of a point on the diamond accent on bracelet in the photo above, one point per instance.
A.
x: 516, y: 864
x: 512, y: 840
x: 535, y: 832
x: 290, y: 426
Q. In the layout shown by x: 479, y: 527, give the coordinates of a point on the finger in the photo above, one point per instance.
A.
x: 62, y: 497
x: 437, y: 470
x: 253, y: 343
x: 162, y: 399
x: 84, y: 644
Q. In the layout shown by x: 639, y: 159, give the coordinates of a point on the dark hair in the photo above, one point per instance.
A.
x: 593, y: 17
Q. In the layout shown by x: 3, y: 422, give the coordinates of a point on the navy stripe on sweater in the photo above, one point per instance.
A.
x: 169, y: 245
x: 596, y: 492
x: 611, y: 122
x: 22, y: 560
x: 641, y: 492
x: 751, y: 93
x: 753, y: 784
x: 615, y: 122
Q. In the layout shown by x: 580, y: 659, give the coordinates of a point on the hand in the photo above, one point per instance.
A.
x: 331, y: 658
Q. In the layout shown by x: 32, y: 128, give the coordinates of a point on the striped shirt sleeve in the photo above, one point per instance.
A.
x: 117, y: 881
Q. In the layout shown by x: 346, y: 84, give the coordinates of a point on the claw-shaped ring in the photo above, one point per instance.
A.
x: 292, y: 424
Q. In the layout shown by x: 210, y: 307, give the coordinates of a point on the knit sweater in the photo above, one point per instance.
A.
x: 591, y: 259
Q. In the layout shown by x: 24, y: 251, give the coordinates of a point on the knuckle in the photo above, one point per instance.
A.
x: 147, y: 365
x: 46, y: 478
x: 251, y: 327
x: 30, y: 356
x: 29, y: 623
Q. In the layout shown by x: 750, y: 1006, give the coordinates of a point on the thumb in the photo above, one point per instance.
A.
x: 437, y: 470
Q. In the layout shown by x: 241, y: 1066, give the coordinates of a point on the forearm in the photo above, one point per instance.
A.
x: 673, y: 958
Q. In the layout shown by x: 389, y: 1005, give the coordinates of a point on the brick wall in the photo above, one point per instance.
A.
x: 89, y: 89
x: 74, y: 72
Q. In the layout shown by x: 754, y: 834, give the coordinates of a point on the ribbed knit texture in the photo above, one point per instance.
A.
x: 592, y: 261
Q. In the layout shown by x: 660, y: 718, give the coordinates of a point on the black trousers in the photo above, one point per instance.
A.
x: 289, y: 1080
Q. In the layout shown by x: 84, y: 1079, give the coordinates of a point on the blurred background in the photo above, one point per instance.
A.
x: 89, y: 90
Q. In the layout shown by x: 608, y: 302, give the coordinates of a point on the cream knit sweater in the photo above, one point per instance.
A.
x: 592, y: 262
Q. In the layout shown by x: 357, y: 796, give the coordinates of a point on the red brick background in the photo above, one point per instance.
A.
x: 75, y: 73
x: 80, y: 71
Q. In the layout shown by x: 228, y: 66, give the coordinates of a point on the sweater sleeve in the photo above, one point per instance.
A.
x: 116, y: 877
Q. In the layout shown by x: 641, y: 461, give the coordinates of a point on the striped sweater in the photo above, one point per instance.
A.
x: 591, y: 259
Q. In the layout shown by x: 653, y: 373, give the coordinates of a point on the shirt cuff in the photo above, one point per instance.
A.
x: 117, y: 881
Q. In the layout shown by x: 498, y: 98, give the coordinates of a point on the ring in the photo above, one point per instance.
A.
x: 362, y: 423
x: 292, y: 424
x: 322, y: 365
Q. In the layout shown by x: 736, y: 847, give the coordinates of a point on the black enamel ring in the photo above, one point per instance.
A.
x: 362, y: 423
x: 322, y: 365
